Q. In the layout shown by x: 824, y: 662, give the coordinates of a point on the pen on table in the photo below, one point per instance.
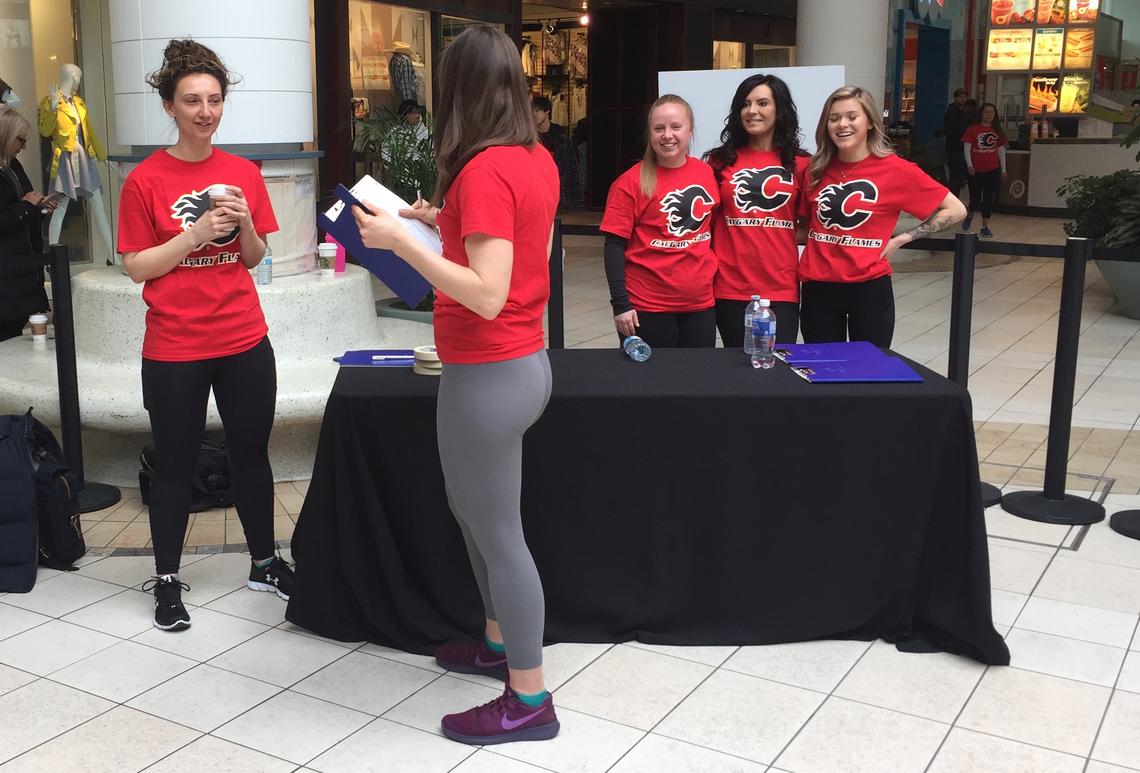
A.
x: 393, y: 357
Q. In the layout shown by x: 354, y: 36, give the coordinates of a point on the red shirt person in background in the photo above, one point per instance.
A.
x: 658, y: 249
x: 498, y: 192
x: 984, y: 147
x: 759, y: 168
x: 204, y: 325
x: 856, y: 187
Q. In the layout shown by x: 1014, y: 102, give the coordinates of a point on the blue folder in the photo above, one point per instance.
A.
x: 839, y: 351
x: 377, y: 358
x: 871, y: 370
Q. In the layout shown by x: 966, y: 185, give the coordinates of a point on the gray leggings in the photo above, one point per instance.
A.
x: 482, y: 414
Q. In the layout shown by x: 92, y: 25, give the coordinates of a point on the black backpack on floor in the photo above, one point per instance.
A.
x: 19, y: 530
x: 57, y: 498
x: 210, y: 481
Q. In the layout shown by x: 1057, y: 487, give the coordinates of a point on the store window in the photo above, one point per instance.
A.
x: 773, y: 56
x: 728, y: 55
x: 389, y: 57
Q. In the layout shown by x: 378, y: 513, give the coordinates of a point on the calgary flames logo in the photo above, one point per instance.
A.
x: 838, y: 204
x: 191, y: 206
x: 763, y: 190
x: 686, y: 209
x: 987, y: 140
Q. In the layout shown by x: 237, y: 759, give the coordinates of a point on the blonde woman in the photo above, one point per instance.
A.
x: 658, y: 251
x: 856, y: 187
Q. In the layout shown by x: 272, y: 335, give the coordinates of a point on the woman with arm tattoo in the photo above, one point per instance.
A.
x: 856, y: 187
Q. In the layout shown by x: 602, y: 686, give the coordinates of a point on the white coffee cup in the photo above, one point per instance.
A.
x: 215, y: 191
x: 326, y: 259
x: 39, y: 324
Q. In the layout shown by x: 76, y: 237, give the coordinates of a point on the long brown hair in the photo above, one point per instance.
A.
x: 649, y: 159
x: 996, y: 123
x: 825, y: 150
x: 483, y: 101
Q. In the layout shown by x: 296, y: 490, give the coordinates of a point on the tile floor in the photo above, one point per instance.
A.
x: 87, y: 684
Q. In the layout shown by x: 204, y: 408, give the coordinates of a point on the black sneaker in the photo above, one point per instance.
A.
x: 276, y: 577
x: 169, y: 613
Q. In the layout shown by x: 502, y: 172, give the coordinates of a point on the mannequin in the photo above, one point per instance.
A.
x: 74, y: 173
x: 8, y: 95
x: 402, y: 72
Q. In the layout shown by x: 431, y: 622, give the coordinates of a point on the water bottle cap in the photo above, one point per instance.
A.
x: 755, y: 297
x: 630, y: 338
x: 765, y: 302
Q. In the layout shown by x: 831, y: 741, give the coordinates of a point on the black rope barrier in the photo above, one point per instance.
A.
x: 556, y: 309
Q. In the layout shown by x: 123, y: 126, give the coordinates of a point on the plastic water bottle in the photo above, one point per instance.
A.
x: 764, y: 336
x: 749, y: 314
x: 636, y: 349
x: 265, y: 268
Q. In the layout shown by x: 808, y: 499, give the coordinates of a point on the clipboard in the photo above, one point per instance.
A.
x: 883, y: 370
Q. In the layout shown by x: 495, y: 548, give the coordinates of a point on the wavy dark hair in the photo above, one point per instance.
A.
x: 188, y: 57
x: 996, y: 125
x: 483, y: 101
x: 786, y: 135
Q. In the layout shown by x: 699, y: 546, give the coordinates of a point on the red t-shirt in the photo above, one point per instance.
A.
x: 853, y: 211
x: 754, y: 233
x: 669, y: 261
x: 207, y: 305
x: 506, y: 192
x: 984, y: 142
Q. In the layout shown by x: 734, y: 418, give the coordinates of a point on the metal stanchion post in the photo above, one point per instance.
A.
x: 556, y: 320
x: 961, y: 313
x: 92, y: 496
x: 1053, y: 505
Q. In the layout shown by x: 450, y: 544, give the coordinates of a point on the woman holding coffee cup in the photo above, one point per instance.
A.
x: 21, y: 213
x: 192, y: 220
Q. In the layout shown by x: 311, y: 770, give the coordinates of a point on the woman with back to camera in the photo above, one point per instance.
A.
x: 854, y: 191
x: 759, y: 168
x: 498, y: 192
x: 21, y: 230
x: 193, y: 248
x: 983, y: 144
x: 658, y: 250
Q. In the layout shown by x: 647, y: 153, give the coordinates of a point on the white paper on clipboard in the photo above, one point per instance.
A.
x: 369, y: 191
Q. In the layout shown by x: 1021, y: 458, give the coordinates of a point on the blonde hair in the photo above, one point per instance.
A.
x: 826, y: 151
x: 649, y: 159
x: 12, y: 125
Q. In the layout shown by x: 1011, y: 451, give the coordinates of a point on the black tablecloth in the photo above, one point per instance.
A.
x: 686, y: 500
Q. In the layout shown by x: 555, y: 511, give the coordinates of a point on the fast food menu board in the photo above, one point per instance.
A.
x: 1025, y: 13
x: 1047, y: 48
x: 1050, y: 12
x: 1009, y: 49
x: 1013, y: 12
x: 1083, y: 11
x: 1075, y: 94
x: 1078, y: 48
x: 1044, y: 93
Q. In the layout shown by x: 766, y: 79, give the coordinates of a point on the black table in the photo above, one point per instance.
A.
x: 686, y: 500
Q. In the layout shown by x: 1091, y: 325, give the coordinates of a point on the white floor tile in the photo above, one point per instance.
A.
x: 1006, y: 606
x: 204, y: 698
x: 214, y: 576
x: 129, y: 571
x: 931, y: 685
x: 62, y: 594
x: 210, y: 633
x: 1103, y: 767
x: 584, y: 744
x: 1105, y: 586
x: 11, y: 678
x: 1066, y: 658
x: 1102, y: 544
x: 387, y: 747
x: 293, y: 726
x: 14, y: 620
x: 561, y: 662
x: 486, y: 761
x: 40, y: 711
x: 408, y: 658
x: 1036, y: 709
x: 632, y: 686
x: 218, y: 756
x: 1119, y: 741
x: 999, y: 523
x: 52, y: 646
x: 710, y: 656
x: 291, y: 628
x: 849, y: 736
x: 258, y: 606
x: 1016, y: 569
x: 965, y: 751
x: 656, y: 754
x: 365, y: 683
x: 741, y: 715
x: 1077, y: 621
x: 123, y: 671
x: 816, y: 665
x: 1130, y: 674
x: 278, y: 657
x: 446, y: 695
x: 124, y: 614
x: 120, y: 740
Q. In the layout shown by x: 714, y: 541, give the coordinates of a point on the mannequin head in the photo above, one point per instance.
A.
x: 69, y: 77
x: 8, y: 95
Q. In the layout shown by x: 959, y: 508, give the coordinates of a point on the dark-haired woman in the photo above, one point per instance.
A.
x: 492, y: 281
x: 759, y: 168
x: 204, y: 325
x: 984, y: 146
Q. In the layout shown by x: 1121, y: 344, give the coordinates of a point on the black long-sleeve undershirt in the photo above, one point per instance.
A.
x: 614, y: 253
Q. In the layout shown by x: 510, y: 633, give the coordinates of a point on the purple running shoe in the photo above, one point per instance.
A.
x: 472, y: 658
x: 503, y: 720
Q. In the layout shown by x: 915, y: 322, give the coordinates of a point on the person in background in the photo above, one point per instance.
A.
x: 21, y: 228
x: 204, y: 326
x: 856, y: 187
x: 492, y: 283
x: 658, y: 251
x: 413, y: 115
x: 983, y: 145
x: 759, y: 168
x: 955, y: 121
x: 556, y: 140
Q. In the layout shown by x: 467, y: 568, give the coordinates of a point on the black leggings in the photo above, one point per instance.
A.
x: 669, y: 330
x: 730, y: 321
x: 829, y: 311
x: 176, y: 395
x: 984, y: 191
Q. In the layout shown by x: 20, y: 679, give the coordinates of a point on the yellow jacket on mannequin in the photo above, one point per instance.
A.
x: 62, y: 125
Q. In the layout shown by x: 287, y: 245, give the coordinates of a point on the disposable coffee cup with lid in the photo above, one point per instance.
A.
x: 215, y: 191
x: 39, y: 328
x: 326, y: 259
